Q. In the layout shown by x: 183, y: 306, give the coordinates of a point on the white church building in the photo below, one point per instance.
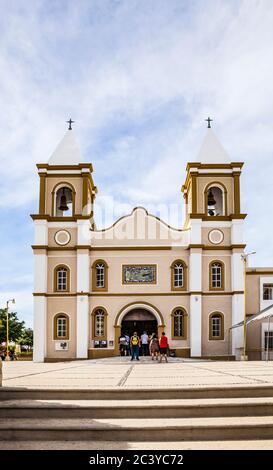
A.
x: 91, y: 285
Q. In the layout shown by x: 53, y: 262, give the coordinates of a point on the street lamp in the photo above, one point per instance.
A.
x: 244, y: 257
x: 13, y: 302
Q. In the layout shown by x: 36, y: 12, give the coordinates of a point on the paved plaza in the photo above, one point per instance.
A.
x: 75, y: 414
x: 120, y: 372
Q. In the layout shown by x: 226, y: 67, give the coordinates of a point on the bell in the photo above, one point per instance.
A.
x: 211, y: 200
x: 63, y: 205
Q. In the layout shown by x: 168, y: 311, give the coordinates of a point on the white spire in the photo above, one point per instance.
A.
x: 212, y: 150
x: 67, y: 152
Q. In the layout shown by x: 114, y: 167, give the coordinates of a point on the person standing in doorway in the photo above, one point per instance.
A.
x: 163, y: 343
x: 128, y: 348
x: 122, y: 345
x: 154, y: 347
x: 144, y: 344
x: 135, y: 343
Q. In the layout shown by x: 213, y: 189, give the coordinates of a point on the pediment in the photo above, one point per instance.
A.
x: 140, y: 229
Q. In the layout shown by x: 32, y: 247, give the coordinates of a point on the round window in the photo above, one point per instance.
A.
x: 62, y: 237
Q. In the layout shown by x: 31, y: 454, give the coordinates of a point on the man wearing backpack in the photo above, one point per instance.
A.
x: 135, y: 343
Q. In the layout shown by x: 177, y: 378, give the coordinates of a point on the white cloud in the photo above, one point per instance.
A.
x: 138, y: 78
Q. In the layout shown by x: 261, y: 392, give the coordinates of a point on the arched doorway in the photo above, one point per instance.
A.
x: 143, y: 306
x: 139, y: 320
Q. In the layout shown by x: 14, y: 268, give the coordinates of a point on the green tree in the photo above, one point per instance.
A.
x: 26, y: 339
x: 16, y: 327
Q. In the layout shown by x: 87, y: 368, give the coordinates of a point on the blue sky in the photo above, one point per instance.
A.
x: 139, y: 77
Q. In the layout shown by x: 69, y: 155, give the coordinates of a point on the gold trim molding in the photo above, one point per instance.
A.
x: 136, y: 294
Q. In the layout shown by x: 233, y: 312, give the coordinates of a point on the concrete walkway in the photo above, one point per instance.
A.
x: 120, y: 372
x: 100, y: 445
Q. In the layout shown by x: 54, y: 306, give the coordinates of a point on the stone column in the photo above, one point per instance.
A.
x: 40, y: 288
x: 83, y: 286
x: 195, y: 287
x: 160, y: 330
x: 39, y: 328
x: 117, y: 335
x: 237, y: 280
x: 82, y: 303
x: 82, y: 327
x: 40, y: 307
x: 195, y: 269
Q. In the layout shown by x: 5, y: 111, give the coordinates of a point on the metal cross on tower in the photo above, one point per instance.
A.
x: 209, y: 120
x: 70, y: 122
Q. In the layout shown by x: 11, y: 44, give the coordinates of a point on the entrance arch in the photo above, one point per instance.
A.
x: 138, y: 312
x: 139, y: 320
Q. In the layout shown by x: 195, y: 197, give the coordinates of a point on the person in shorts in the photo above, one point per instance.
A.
x: 154, y: 347
x: 128, y: 347
x: 163, y: 344
x: 122, y: 345
x: 135, y: 343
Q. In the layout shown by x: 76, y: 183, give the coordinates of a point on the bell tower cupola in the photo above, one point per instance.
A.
x: 67, y: 190
x: 212, y: 186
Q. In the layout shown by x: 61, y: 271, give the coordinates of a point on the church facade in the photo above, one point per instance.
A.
x: 91, y: 285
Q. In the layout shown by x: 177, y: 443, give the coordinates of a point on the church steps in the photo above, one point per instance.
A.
x: 232, y: 391
x: 96, y: 409
x: 178, y: 429
x: 205, y: 414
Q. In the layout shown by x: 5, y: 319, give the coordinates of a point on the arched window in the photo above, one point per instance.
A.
x: 61, y: 279
x: 178, y: 275
x: 216, y: 274
x: 99, y: 275
x: 216, y: 326
x: 63, y: 202
x: 61, y: 326
x: 215, y: 201
x: 179, y: 323
x: 99, y: 324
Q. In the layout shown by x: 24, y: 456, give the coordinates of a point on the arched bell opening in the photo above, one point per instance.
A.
x: 215, y: 201
x: 64, y: 202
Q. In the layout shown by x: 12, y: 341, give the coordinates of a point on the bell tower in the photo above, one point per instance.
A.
x: 67, y: 190
x: 213, y: 216
x: 212, y: 186
x: 61, y: 227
